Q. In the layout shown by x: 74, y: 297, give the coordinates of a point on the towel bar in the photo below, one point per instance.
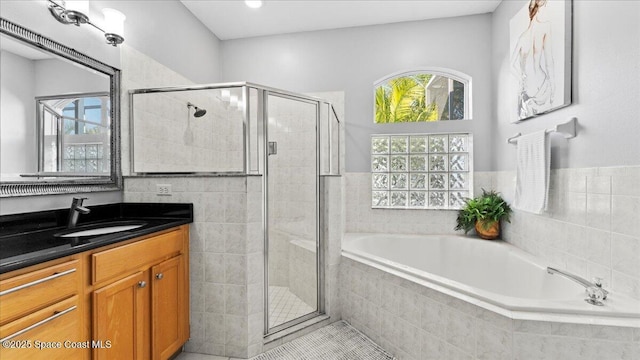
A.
x: 568, y: 130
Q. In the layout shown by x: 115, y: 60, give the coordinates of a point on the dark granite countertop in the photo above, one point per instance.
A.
x: 28, y: 239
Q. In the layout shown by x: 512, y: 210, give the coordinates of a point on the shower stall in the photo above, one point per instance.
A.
x: 283, y: 141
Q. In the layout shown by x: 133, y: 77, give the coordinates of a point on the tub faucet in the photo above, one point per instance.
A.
x: 594, y: 290
x: 75, y: 211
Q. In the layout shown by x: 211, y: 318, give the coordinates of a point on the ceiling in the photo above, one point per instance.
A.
x: 23, y: 50
x: 231, y: 19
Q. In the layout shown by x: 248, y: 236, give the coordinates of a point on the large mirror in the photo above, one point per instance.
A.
x: 59, y: 118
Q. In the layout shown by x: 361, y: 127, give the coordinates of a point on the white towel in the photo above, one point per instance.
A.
x: 532, y: 179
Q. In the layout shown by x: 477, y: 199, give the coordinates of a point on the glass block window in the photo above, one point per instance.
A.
x: 85, y: 158
x: 421, y: 171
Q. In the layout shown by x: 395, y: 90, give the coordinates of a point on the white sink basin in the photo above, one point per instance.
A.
x: 100, y: 229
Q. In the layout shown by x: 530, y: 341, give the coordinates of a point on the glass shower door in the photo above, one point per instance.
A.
x: 292, y: 210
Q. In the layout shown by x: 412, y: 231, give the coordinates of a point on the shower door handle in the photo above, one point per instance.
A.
x: 272, y: 148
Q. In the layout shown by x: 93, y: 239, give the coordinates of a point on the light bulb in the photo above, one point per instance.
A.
x: 254, y: 4
x: 113, y: 21
x: 81, y: 6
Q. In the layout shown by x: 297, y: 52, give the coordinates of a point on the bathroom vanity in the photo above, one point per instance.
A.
x: 120, y: 295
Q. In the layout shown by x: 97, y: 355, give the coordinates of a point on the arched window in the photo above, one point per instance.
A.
x: 423, y: 95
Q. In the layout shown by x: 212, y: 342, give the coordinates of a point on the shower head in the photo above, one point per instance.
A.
x: 199, y: 111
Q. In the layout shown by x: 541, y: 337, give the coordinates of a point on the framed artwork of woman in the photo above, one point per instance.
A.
x: 540, y: 62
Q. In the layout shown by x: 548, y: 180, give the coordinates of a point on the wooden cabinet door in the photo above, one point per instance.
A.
x: 169, y: 314
x: 121, y: 317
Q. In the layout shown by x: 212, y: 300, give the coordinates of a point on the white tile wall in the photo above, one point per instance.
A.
x: 303, y: 281
x: 590, y: 227
x: 360, y: 217
x: 226, y: 259
x: 226, y: 262
x: 279, y: 258
x: 139, y: 71
x: 332, y: 232
x: 292, y: 197
x: 292, y: 171
x: 414, y: 322
x: 166, y: 139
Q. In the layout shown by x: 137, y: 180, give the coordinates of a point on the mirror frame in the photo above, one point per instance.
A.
x: 58, y: 185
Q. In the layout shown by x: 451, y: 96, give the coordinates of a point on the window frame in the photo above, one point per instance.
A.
x: 459, y: 76
x: 77, y: 99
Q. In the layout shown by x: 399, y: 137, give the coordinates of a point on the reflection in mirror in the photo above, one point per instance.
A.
x: 74, y: 135
x: 58, y: 117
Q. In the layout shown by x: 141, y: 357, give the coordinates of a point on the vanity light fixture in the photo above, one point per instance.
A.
x: 75, y: 12
x: 113, y: 26
x: 254, y: 4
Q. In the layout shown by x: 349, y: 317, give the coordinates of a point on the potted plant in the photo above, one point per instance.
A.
x: 484, y: 213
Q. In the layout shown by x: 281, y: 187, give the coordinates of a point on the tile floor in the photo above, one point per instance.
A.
x: 285, y: 306
x: 194, y: 356
x: 337, y: 341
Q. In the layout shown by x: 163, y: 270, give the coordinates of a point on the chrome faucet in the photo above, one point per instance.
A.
x: 75, y: 211
x: 594, y: 290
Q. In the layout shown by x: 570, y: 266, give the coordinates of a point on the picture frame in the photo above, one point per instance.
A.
x: 540, y: 58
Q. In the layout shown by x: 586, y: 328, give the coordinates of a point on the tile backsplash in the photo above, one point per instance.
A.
x: 590, y: 227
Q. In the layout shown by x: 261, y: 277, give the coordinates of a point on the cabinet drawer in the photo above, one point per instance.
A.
x: 25, y: 293
x: 129, y: 258
x: 58, y: 327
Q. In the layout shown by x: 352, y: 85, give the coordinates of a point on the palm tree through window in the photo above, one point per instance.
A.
x: 422, y: 96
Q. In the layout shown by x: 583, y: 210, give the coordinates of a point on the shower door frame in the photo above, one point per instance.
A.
x: 255, y: 164
x: 263, y: 106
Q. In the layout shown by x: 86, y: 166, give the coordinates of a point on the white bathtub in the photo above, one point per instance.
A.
x: 491, y: 274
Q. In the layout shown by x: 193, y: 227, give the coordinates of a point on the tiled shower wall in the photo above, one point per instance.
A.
x: 227, y: 253
x: 139, y: 71
x: 226, y: 242
x: 168, y: 138
x: 302, y: 271
x: 292, y: 194
x: 226, y: 258
x: 292, y: 170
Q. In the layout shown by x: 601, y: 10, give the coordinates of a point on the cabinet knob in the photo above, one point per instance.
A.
x: 142, y: 284
x: 159, y: 276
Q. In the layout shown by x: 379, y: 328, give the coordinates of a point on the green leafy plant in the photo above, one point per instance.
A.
x: 487, y: 209
x: 403, y: 99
